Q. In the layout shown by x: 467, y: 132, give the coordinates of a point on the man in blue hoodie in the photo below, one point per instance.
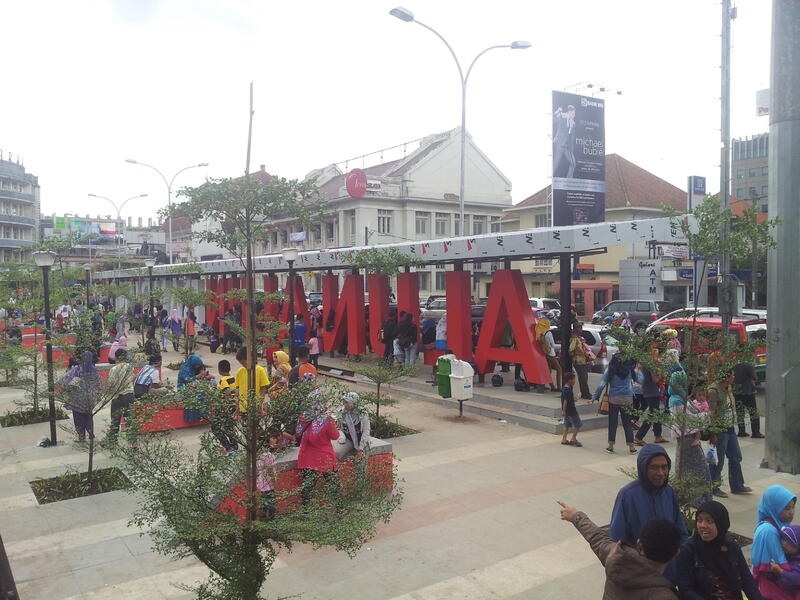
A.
x: 646, y: 498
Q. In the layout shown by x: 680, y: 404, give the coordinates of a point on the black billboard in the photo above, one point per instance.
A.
x: 579, y: 159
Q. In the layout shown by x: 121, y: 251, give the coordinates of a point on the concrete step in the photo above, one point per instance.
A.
x: 547, y: 404
x: 549, y: 422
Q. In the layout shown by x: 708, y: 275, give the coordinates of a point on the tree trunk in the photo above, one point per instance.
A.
x: 254, y: 403
x: 378, y: 400
x: 35, y: 383
x: 89, y: 471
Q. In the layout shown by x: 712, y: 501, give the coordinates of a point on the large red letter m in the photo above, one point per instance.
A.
x: 348, y: 317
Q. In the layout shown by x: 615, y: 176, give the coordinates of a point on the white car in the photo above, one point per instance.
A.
x: 436, y: 309
x: 707, y: 311
x: 601, y: 343
x: 545, y: 303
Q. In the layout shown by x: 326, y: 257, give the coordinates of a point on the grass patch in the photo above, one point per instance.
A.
x: 384, y: 428
x: 74, y: 485
x: 29, y: 416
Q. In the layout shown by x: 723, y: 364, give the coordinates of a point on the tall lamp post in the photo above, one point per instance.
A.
x: 406, y: 15
x: 290, y: 255
x: 45, y: 260
x: 87, y: 268
x: 150, y: 262
x: 119, y: 218
x: 169, y: 193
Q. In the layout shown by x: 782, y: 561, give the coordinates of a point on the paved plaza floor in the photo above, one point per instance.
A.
x: 479, y: 519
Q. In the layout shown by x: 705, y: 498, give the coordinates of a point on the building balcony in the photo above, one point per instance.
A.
x: 4, y: 243
x: 12, y: 195
x: 17, y: 220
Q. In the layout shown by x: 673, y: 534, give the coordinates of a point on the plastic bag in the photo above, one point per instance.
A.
x: 711, y: 455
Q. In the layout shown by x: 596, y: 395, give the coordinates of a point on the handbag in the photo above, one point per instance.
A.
x: 603, y: 409
x: 587, y: 351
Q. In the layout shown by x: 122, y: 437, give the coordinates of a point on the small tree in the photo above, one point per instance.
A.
x: 90, y: 395
x: 380, y: 373
x: 186, y: 498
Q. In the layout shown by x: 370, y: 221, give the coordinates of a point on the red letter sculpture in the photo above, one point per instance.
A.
x: 348, y: 317
x: 508, y: 301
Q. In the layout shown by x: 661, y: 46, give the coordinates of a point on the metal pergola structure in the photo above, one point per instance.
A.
x: 564, y: 243
x: 548, y: 242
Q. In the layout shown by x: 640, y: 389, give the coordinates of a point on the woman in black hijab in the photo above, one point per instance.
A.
x: 711, y: 567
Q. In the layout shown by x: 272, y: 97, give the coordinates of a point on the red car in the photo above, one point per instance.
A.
x: 745, y: 331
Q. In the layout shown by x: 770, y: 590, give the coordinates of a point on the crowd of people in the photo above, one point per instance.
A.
x: 315, y: 430
x: 647, y: 552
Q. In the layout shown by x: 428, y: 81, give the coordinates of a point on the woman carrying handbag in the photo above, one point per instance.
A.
x: 617, y: 380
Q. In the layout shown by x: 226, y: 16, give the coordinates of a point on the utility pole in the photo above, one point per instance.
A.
x: 782, y: 449
x: 754, y: 258
x: 724, y: 288
x: 366, y: 236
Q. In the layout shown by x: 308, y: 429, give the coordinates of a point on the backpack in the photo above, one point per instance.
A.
x: 544, y: 343
x: 520, y: 385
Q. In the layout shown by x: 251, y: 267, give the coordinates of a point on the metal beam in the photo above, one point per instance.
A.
x: 512, y: 245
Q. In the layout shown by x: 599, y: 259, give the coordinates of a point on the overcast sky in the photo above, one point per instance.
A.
x: 88, y: 84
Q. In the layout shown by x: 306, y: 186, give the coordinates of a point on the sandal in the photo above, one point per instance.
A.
x: 576, y: 443
x: 610, y: 449
x: 632, y: 450
x: 661, y: 441
x: 639, y: 442
x: 565, y: 443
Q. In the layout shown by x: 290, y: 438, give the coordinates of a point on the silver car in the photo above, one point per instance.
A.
x: 598, y: 340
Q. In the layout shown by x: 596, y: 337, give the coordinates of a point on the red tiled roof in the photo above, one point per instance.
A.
x: 627, y: 184
x: 262, y: 175
x: 739, y: 206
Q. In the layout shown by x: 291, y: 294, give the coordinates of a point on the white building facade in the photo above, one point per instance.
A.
x: 408, y: 199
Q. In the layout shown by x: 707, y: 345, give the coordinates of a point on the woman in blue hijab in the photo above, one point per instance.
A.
x: 189, y: 372
x: 775, y: 510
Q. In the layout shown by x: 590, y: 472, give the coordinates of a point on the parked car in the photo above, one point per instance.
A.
x: 545, y: 303
x: 745, y: 330
x: 599, y: 340
x: 640, y: 312
x: 430, y: 299
x: 435, y: 309
x: 707, y: 311
x: 313, y: 299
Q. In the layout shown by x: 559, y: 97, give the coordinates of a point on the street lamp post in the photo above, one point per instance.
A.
x: 119, y: 218
x: 45, y: 260
x: 87, y: 268
x: 406, y: 15
x: 290, y: 255
x: 169, y: 194
x: 150, y: 262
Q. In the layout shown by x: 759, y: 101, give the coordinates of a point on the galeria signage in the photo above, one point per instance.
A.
x: 579, y: 161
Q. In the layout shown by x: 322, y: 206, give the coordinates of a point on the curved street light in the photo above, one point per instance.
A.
x: 168, y: 183
x: 408, y: 17
x: 119, y: 212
